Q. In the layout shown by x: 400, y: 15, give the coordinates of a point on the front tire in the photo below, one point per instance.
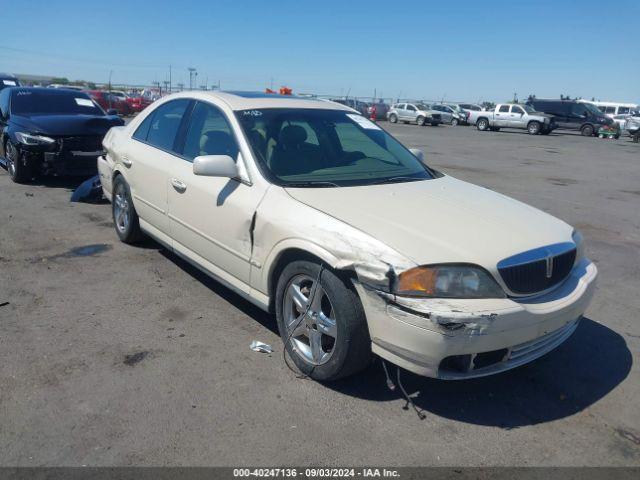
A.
x: 421, y: 121
x: 454, y: 122
x: 393, y: 118
x: 534, y: 128
x: 125, y: 217
x: 19, y: 169
x: 587, y: 131
x: 331, y: 340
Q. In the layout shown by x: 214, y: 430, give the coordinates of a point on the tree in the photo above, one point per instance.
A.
x: 60, y: 80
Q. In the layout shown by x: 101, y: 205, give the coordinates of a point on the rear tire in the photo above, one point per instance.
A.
x: 587, y: 131
x: 534, y: 128
x: 333, y: 357
x: 125, y: 217
x: 19, y: 169
x: 393, y: 118
x: 482, y: 124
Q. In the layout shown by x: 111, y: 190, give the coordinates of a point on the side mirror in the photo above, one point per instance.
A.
x: 419, y: 154
x: 112, y: 111
x: 215, y: 166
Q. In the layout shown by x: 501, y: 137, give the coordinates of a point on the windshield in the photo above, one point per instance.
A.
x: 423, y: 106
x: 528, y: 108
x: 593, y: 109
x: 52, y: 102
x: 326, y: 148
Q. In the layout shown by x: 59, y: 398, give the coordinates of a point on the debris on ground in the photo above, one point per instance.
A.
x: 89, y: 191
x: 258, y: 346
x: 135, y: 358
x: 4, y: 304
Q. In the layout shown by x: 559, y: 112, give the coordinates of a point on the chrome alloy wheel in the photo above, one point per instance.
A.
x: 311, y: 327
x: 12, y: 158
x: 121, y: 215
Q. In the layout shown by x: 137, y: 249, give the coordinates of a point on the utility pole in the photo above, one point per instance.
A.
x: 191, y: 72
x: 110, y: 73
x: 170, y: 85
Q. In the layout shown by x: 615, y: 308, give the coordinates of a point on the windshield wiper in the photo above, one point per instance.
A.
x: 320, y: 184
x: 397, y: 180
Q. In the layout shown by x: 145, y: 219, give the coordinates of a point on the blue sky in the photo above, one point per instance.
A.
x: 456, y: 50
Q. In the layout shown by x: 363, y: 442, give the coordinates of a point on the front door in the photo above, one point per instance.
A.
x: 211, y: 216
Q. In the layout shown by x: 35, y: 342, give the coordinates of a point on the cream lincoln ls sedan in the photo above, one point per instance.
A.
x: 311, y: 211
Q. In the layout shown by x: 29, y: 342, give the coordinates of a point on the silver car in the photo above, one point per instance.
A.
x: 450, y: 114
x: 419, y: 113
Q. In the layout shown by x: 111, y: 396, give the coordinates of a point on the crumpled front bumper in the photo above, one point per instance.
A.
x: 466, y: 338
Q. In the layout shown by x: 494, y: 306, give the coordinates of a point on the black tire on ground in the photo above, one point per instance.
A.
x: 482, y: 124
x: 534, y: 128
x: 587, y: 131
x: 19, y: 169
x: 125, y: 217
x: 454, y: 122
x: 421, y: 121
x: 434, y: 124
x: 393, y: 118
x: 351, y: 349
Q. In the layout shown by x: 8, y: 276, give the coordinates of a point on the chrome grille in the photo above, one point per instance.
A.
x: 538, y: 270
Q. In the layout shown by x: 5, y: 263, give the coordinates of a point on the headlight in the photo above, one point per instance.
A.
x: 576, y: 236
x: 448, y: 281
x: 32, y: 139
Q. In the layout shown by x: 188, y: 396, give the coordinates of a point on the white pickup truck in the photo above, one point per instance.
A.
x: 507, y: 115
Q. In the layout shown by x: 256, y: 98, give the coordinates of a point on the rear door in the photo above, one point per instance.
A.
x: 211, y: 216
x: 502, y: 116
x: 147, y: 159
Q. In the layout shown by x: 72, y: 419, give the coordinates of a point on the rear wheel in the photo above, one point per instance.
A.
x: 322, y: 323
x: 533, y: 128
x: 587, y: 131
x: 393, y: 118
x: 19, y: 169
x: 482, y: 124
x: 125, y: 217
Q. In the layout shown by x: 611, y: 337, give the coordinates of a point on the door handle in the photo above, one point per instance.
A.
x: 178, y: 185
x: 126, y: 162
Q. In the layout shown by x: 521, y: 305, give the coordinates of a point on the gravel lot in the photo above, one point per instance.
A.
x: 124, y: 355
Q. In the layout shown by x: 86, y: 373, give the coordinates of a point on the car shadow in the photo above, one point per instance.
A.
x: 263, y: 318
x: 590, y: 364
x: 67, y: 183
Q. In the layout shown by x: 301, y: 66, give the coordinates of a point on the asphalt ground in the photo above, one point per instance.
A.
x: 120, y: 355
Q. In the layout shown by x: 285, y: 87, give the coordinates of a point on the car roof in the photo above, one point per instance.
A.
x: 248, y: 100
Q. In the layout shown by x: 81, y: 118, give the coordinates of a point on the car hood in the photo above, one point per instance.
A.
x: 440, y: 220
x: 62, y: 125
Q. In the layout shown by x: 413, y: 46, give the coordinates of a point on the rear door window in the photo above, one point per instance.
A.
x: 623, y: 110
x: 165, y: 124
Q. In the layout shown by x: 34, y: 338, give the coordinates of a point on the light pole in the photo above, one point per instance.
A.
x: 191, y: 73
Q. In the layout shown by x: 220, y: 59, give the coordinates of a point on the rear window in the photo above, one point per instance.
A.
x: 52, y: 102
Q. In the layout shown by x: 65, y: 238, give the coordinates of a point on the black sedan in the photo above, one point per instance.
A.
x: 51, y: 132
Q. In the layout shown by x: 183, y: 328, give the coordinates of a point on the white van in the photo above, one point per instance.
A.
x: 611, y: 109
